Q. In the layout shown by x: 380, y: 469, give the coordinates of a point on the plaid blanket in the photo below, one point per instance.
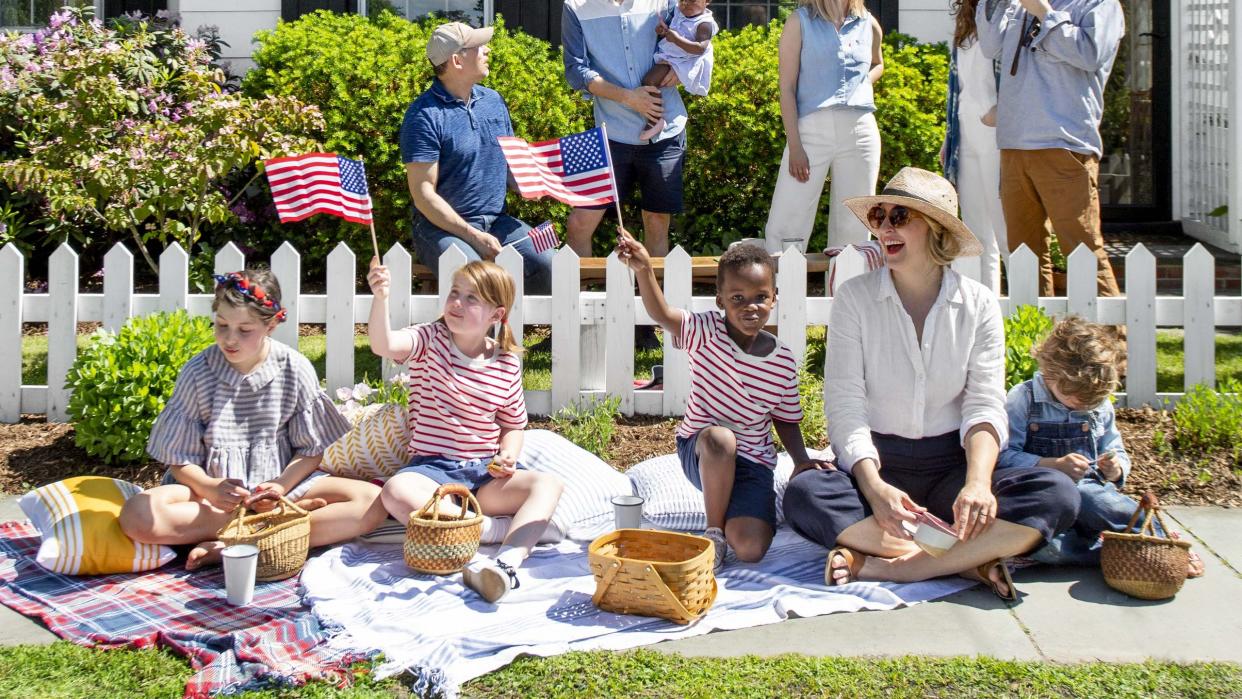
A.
x: 274, y: 641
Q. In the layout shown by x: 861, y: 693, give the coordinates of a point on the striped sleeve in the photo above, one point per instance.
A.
x: 316, y: 423
x: 177, y: 435
x: 695, y: 329
x: 420, y: 336
x: 512, y: 414
x: 789, y: 409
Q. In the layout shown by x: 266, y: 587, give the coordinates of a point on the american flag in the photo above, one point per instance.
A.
x: 543, y: 237
x: 575, y: 169
x: 319, y: 183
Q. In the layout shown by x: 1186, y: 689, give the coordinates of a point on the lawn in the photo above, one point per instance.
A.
x: 65, y: 670
x: 538, y: 369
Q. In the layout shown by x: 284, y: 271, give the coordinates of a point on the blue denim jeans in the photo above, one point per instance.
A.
x: 1104, y: 509
x: 430, y: 242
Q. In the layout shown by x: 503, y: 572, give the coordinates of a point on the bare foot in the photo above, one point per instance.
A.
x: 205, y: 554
x: 1194, y: 568
x: 309, y: 504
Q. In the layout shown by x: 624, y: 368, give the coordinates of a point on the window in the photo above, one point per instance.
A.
x: 735, y: 14
x: 31, y: 14
x: 473, y: 12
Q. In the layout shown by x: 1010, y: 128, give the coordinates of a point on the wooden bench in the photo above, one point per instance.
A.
x: 702, y: 269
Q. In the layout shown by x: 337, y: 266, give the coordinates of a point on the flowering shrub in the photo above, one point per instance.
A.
x: 127, y: 128
x: 369, y: 392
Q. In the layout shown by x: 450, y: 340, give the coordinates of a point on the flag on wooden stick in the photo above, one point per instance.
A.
x: 574, y: 169
x: 319, y: 183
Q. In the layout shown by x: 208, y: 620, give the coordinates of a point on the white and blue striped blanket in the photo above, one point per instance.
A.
x: 446, y: 635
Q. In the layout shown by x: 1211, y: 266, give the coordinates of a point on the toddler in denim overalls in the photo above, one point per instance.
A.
x: 1063, y: 419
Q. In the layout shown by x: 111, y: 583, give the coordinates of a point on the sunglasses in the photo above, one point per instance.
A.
x: 898, y: 215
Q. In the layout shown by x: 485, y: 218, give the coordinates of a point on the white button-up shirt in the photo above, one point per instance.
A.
x: 879, y: 378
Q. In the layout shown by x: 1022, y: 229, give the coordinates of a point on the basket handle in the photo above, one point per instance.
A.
x: 432, y: 506
x: 606, y: 582
x: 282, y: 504
x: 654, y: 576
x: 1149, y: 504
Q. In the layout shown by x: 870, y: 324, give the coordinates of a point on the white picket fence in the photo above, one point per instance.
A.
x: 592, y: 331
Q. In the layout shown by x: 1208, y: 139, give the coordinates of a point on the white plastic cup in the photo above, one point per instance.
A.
x: 241, y: 561
x: 628, y: 510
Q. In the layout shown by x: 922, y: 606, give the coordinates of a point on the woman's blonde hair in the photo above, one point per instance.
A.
x: 827, y: 8
x: 1083, y: 359
x: 941, y: 245
x: 495, y: 286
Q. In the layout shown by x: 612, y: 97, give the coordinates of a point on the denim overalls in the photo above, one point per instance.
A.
x: 1104, y: 508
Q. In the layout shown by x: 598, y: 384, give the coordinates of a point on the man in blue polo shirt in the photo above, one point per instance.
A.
x: 454, y: 167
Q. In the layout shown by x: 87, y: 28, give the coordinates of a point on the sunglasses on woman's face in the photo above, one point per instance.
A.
x: 898, y: 215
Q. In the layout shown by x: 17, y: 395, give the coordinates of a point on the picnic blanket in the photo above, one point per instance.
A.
x: 445, y: 635
x: 275, y: 640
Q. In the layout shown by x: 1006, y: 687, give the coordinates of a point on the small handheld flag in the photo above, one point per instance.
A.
x: 574, y: 169
x: 543, y: 237
x: 320, y: 183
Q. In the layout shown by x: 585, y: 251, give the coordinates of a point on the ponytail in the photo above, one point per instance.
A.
x: 505, y: 339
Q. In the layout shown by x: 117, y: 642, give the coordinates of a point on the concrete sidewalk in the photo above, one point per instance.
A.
x: 1066, y: 615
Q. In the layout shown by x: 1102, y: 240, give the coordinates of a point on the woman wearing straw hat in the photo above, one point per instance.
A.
x: 915, y: 401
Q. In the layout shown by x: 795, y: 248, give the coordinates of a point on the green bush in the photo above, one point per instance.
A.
x: 1207, y: 419
x: 128, y: 129
x: 121, y: 381
x: 590, y: 424
x: 1025, y: 328
x: 814, y: 423
x: 363, y: 73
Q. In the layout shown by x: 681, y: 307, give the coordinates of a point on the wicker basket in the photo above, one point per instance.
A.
x: 281, y: 535
x: 442, y: 546
x: 653, y: 573
x: 1144, y: 565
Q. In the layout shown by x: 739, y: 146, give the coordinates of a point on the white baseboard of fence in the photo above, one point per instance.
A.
x: 592, y: 331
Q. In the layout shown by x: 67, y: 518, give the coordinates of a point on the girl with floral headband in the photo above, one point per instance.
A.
x: 247, y: 422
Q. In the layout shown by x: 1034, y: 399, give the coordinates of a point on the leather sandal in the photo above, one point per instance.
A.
x: 1001, y: 563
x: 853, y: 565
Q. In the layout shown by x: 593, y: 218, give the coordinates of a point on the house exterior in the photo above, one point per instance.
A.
x: 1173, y: 152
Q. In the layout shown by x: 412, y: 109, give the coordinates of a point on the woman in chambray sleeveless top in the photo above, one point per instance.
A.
x: 827, y: 110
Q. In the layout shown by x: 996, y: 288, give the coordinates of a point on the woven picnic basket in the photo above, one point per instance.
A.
x: 653, y: 573
x: 442, y: 545
x: 1142, y: 564
x: 282, y: 536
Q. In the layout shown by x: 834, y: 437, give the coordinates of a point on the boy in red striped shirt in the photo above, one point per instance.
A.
x: 743, y: 381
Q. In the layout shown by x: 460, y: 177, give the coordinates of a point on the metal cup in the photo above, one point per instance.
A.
x: 628, y: 510
x: 241, y: 561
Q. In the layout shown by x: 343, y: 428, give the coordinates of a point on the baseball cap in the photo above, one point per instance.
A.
x: 448, y: 39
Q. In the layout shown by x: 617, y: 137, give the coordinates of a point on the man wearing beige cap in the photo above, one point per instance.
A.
x: 454, y: 167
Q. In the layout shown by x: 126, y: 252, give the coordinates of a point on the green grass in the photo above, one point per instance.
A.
x: 1170, y: 372
x: 65, y: 670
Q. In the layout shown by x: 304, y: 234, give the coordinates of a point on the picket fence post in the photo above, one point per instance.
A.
x: 174, y: 278
x: 677, y: 290
x: 230, y: 258
x: 1023, y: 278
x: 1199, y: 317
x: 619, y: 332
x: 450, y: 261
x: 118, y: 301
x: 566, y: 328
x: 1140, y: 327
x: 62, y: 328
x: 511, y: 260
x: 400, y: 265
x: 1082, y: 282
x: 848, y: 263
x: 339, y: 307
x: 791, y: 301
x: 287, y: 266
x: 12, y: 277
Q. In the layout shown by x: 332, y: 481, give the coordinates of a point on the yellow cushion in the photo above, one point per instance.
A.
x: 77, y: 519
x: 376, y: 447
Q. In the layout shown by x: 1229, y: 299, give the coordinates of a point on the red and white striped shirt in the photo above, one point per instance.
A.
x: 733, y: 389
x: 458, y: 405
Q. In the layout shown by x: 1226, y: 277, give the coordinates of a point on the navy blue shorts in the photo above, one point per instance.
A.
x: 654, y: 168
x: 752, y: 495
x: 471, y: 473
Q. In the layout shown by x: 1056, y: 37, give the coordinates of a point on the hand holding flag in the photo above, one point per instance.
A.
x: 542, y: 237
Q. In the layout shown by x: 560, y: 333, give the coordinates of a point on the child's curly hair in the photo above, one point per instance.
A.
x: 744, y: 255
x: 1085, y: 360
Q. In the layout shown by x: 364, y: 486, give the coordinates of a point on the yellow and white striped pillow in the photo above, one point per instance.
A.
x: 376, y: 447
x: 77, y: 518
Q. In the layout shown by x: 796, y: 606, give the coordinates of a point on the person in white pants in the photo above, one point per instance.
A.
x: 970, y: 157
x: 828, y: 114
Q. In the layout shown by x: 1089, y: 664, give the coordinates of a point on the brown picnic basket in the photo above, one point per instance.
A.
x: 1142, y: 564
x: 442, y: 544
x: 653, y: 573
x: 282, y: 536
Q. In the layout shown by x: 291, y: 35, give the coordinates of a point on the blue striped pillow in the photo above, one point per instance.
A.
x: 585, y: 509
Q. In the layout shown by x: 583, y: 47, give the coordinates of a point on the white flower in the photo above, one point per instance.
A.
x: 344, y: 394
x: 362, y: 391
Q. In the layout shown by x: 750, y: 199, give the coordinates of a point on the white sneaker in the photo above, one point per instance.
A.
x: 717, y: 537
x: 499, y: 529
x: 491, y: 579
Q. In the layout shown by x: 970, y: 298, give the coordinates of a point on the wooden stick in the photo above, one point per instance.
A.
x: 612, y: 175
x: 374, y: 243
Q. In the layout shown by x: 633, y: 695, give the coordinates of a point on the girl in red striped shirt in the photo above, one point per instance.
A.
x: 467, y: 413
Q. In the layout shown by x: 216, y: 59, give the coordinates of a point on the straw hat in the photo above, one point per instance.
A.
x: 927, y: 193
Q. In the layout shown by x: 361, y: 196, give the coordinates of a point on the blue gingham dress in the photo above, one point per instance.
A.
x: 246, y: 427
